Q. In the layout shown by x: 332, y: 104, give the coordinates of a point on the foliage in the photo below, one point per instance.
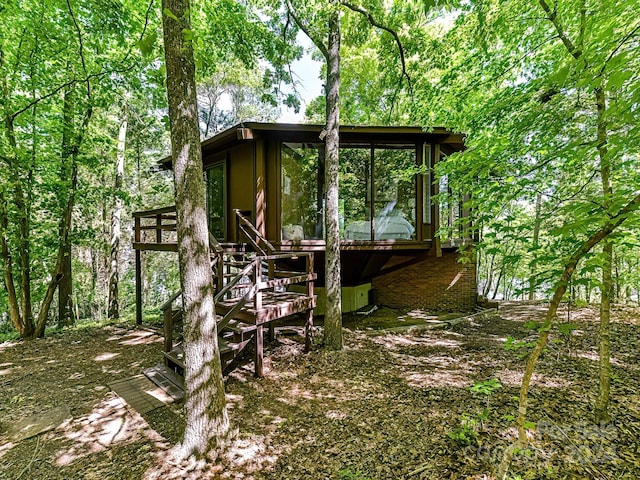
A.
x: 348, y: 474
x: 466, y: 433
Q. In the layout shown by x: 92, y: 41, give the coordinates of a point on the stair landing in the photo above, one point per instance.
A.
x: 275, y: 305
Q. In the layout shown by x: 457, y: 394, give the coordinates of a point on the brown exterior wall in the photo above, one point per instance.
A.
x: 432, y: 283
x: 240, y: 186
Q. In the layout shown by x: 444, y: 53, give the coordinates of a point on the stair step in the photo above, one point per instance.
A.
x: 239, y: 327
x: 176, y: 355
x: 167, y: 379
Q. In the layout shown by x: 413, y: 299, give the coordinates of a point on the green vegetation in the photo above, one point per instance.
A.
x: 547, y: 93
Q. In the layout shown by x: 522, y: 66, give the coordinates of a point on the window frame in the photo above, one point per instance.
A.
x: 420, y: 184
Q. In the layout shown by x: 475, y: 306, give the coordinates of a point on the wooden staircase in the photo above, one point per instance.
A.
x: 251, y: 296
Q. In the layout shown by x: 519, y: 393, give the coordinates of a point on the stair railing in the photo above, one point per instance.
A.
x: 259, y: 283
x: 167, y: 320
x: 256, y: 239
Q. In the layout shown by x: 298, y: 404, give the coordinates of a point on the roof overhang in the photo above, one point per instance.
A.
x: 250, y: 131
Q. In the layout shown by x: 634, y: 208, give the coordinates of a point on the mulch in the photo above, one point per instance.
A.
x: 391, y: 405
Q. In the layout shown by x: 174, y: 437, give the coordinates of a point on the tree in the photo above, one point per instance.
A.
x: 58, y: 65
x: 330, y: 16
x: 205, y: 407
x: 317, y: 21
x: 546, y: 99
x: 112, y: 301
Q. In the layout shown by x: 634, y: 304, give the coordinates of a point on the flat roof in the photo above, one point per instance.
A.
x: 248, y: 131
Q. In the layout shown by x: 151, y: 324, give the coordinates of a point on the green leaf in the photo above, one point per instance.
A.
x: 567, y: 328
x: 170, y: 14
x: 147, y: 43
x: 187, y: 34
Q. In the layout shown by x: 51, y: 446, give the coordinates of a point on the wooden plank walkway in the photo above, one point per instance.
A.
x: 141, y: 393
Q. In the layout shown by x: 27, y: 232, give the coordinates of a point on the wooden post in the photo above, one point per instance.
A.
x: 308, y: 326
x: 220, y: 270
x: 138, y: 288
x: 259, y: 350
x: 138, y: 274
x: 435, y: 217
x: 258, y: 280
x: 167, y: 318
x: 159, y: 228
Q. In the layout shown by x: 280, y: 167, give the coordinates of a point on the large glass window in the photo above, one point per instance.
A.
x: 395, y: 194
x: 355, y: 193
x: 377, y: 192
x: 216, y: 205
x: 302, y: 191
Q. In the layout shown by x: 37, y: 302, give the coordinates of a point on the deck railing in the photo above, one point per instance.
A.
x: 252, y: 278
x: 155, y: 229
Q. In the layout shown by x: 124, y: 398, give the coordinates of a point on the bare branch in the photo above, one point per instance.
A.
x: 306, y: 28
x: 390, y: 31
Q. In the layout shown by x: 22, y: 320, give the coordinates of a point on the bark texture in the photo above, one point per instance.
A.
x: 333, y: 316
x: 536, y: 242
x: 205, y: 407
x: 112, y: 302
x: 65, y: 286
x: 601, y: 413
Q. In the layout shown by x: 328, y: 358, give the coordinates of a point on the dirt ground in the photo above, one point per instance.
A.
x: 389, y: 406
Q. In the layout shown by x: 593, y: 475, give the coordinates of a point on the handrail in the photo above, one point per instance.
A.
x: 214, y: 244
x: 172, y: 299
x: 243, y: 224
x: 243, y: 273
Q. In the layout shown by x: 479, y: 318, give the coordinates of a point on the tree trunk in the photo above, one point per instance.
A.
x: 536, y: 237
x: 56, y: 275
x: 602, y: 403
x: 333, y: 316
x: 113, y: 311
x: 498, y: 281
x: 489, y: 281
x: 65, y: 284
x: 207, y: 422
x: 25, y: 330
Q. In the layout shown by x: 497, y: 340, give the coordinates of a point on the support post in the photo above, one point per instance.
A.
x: 137, y: 237
x: 167, y: 318
x: 138, y: 288
x: 259, y: 350
x: 308, y: 325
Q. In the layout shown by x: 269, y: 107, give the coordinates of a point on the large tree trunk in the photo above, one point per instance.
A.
x: 56, y: 274
x: 20, y: 310
x: 333, y: 315
x: 113, y: 310
x: 602, y: 403
x: 25, y: 330
x: 205, y: 406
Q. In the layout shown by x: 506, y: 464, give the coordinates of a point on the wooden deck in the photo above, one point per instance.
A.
x: 275, y: 305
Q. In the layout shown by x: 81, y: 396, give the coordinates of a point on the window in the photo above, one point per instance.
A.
x: 302, y: 191
x: 355, y: 193
x: 394, y: 175
x: 377, y: 190
x: 216, y: 204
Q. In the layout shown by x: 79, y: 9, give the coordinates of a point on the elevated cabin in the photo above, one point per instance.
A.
x: 273, y: 175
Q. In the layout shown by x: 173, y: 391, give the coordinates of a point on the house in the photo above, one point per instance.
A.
x: 273, y: 176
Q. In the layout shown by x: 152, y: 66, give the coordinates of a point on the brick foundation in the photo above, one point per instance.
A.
x: 432, y: 283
